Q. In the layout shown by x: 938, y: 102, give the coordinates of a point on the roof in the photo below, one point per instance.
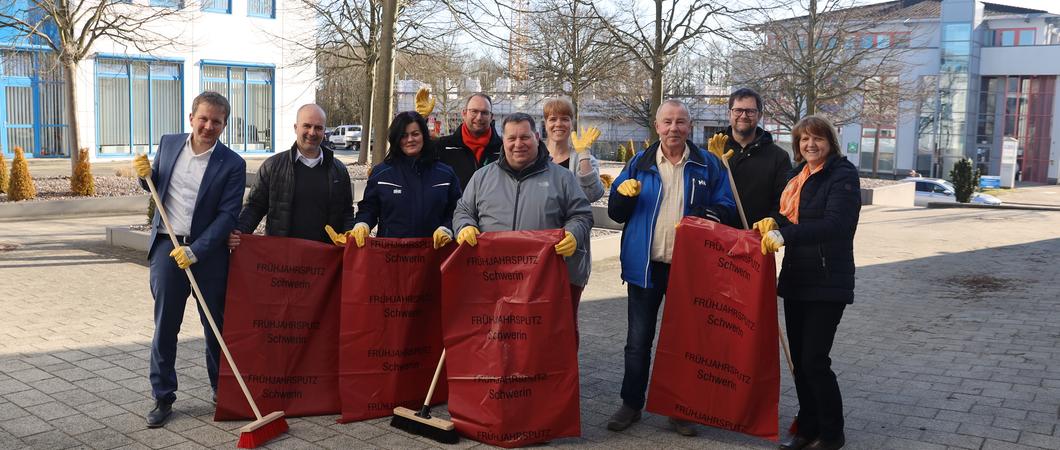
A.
x: 925, y: 9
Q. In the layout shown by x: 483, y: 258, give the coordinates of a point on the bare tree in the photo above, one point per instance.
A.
x: 655, y: 38
x: 826, y: 61
x: 71, y: 28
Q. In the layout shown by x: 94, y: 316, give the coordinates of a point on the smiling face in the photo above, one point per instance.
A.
x: 743, y: 116
x: 477, y: 115
x: 520, y: 144
x: 309, y: 128
x: 558, y: 127
x: 673, y: 125
x: 412, y: 140
x: 814, y: 149
x: 207, y: 123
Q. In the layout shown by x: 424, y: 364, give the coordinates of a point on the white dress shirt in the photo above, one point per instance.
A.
x: 310, y: 163
x: 184, y: 187
x: 672, y: 208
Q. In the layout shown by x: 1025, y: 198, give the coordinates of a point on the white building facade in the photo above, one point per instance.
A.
x: 127, y: 100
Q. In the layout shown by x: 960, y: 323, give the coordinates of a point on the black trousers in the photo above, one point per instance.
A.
x: 811, y: 329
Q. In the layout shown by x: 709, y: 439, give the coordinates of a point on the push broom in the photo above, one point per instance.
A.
x: 255, y: 433
x: 794, y: 428
x: 420, y: 422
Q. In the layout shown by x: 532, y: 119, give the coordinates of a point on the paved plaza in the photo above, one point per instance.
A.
x: 953, y: 342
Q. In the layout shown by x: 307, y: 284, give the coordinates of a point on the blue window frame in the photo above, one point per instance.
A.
x: 261, y: 8
x: 250, y: 91
x: 32, y: 103
x: 137, y: 101
x: 175, y: 4
x: 217, y: 6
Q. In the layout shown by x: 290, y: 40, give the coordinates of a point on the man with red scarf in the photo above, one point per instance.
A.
x: 475, y: 144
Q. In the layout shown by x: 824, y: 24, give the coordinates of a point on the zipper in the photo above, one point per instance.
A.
x: 824, y: 265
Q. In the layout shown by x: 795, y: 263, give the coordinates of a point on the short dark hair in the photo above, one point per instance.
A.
x: 212, y: 98
x: 397, y: 131
x: 744, y: 93
x: 519, y: 118
x: 479, y: 94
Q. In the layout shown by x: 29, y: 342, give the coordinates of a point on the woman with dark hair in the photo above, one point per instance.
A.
x: 411, y: 194
x: 819, y: 212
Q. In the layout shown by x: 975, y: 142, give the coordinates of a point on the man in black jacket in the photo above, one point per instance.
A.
x: 475, y: 144
x: 300, y: 190
x: 759, y: 167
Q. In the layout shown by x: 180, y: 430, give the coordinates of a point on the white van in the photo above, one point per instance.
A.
x: 346, y: 136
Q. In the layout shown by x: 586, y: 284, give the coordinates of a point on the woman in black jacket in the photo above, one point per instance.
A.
x: 411, y: 194
x: 819, y: 215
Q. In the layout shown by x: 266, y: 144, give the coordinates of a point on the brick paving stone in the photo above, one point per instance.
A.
x: 52, y: 410
x: 52, y: 440
x: 52, y: 385
x: 77, y: 424
x: 11, y: 385
x: 29, y: 398
x: 209, y: 435
x: 25, y: 426
x: 157, y: 438
x: 991, y: 444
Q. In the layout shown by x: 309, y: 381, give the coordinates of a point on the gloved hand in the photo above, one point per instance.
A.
x: 771, y: 242
x: 765, y: 225
x: 716, y: 145
x: 183, y: 256
x: 442, y: 237
x: 629, y: 188
x: 359, y: 234
x: 582, y: 142
x: 424, y: 102
x: 468, y: 234
x: 336, y: 238
x: 567, y: 245
x: 142, y: 166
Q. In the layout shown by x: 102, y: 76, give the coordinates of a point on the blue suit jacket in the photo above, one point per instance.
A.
x: 219, y: 200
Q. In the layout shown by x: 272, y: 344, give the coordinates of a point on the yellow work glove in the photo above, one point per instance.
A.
x: 442, y: 237
x: 336, y: 238
x: 765, y: 225
x: 567, y: 245
x: 183, y: 256
x: 142, y: 166
x: 424, y: 102
x: 359, y: 233
x: 771, y: 242
x: 582, y: 142
x: 716, y: 145
x: 629, y: 188
x: 469, y: 235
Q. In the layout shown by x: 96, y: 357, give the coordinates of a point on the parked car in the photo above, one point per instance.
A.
x: 346, y: 136
x: 937, y: 190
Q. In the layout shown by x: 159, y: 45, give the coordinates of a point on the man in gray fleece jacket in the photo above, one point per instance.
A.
x: 524, y: 190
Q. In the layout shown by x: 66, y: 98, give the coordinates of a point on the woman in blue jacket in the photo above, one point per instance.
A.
x: 411, y: 194
x: 819, y: 214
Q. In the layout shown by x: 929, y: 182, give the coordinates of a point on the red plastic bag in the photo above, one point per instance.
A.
x: 716, y: 362
x: 391, y: 335
x: 281, y: 324
x: 511, y: 356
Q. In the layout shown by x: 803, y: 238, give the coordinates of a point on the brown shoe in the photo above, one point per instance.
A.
x: 796, y: 443
x: 826, y: 444
x: 623, y: 418
x: 683, y: 427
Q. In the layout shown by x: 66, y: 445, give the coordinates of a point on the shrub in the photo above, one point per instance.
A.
x: 3, y: 173
x: 21, y: 185
x: 964, y: 179
x: 606, y: 180
x: 82, y: 183
x: 150, y: 210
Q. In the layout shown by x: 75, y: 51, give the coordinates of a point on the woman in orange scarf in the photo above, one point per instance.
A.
x: 819, y: 215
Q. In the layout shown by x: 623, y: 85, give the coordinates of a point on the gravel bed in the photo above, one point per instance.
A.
x: 358, y: 171
x: 58, y: 188
x: 869, y: 183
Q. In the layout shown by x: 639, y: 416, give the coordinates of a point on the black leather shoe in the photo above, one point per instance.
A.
x: 683, y: 427
x: 157, y: 417
x: 623, y: 418
x: 214, y: 397
x: 826, y: 444
x: 796, y: 443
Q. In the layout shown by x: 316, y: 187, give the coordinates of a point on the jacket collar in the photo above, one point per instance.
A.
x: 647, y: 160
x: 762, y: 138
x: 828, y: 164
x: 328, y: 155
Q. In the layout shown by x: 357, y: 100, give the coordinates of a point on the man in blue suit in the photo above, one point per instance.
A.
x: 200, y: 182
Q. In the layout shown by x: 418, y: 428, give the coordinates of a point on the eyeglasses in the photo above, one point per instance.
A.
x: 744, y: 112
x: 478, y: 112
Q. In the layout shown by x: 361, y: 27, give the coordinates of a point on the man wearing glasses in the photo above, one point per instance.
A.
x: 759, y: 167
x: 475, y: 144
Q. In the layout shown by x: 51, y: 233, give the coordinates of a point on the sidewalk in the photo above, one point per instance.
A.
x: 952, y: 342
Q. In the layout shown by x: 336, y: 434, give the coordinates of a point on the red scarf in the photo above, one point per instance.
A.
x: 476, y: 144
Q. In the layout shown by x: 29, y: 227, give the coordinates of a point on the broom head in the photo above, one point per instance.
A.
x: 422, y: 424
x: 258, y: 432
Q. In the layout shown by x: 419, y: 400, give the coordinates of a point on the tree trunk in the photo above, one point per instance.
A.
x: 657, y: 68
x: 69, y: 72
x: 366, y: 114
x: 381, y: 97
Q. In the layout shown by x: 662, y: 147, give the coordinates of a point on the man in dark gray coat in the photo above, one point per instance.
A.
x: 524, y: 190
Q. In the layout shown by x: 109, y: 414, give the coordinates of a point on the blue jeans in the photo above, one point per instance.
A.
x: 171, y: 288
x: 643, y: 312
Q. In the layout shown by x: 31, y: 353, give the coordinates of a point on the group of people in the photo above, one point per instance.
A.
x: 478, y: 180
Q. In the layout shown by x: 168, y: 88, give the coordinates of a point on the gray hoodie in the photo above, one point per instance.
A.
x: 542, y: 196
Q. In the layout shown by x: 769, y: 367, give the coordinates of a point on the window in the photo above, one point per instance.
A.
x: 177, y: 4
x: 32, y: 104
x: 249, y: 90
x: 1012, y: 37
x: 217, y: 6
x: 138, y: 101
x: 261, y: 8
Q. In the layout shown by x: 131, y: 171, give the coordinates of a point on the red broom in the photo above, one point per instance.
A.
x: 264, y: 428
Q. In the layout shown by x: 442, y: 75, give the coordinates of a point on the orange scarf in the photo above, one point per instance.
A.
x: 789, y: 200
x: 477, y: 144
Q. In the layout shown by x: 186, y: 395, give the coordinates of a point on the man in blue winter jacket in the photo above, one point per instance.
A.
x: 671, y: 179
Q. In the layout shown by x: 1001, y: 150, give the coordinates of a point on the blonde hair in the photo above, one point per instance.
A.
x: 558, y: 106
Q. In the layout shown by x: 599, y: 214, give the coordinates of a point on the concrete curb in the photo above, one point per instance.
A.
x: 1015, y: 206
x: 74, y: 206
